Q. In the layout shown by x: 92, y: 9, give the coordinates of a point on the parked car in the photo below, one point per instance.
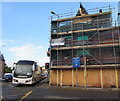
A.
x: 44, y: 75
x: 0, y: 79
x: 7, y: 77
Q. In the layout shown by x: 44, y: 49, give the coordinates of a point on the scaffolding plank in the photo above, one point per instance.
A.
x: 86, y: 46
x: 88, y: 66
x: 87, y: 30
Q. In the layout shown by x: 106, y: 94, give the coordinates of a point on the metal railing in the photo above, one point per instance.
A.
x: 89, y: 11
x: 91, y: 61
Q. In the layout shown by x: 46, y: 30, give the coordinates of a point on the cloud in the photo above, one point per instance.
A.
x: 26, y: 51
x: 38, y: 47
x: 8, y: 41
x: 12, y: 41
x: 30, y: 52
x: 1, y: 45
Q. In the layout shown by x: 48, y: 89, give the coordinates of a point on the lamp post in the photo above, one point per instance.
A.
x: 57, y: 30
x: 118, y: 19
x: 52, y: 12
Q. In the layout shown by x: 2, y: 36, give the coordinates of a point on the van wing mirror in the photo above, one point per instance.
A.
x: 13, y: 67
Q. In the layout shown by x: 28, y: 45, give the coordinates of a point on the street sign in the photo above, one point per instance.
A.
x: 76, y: 62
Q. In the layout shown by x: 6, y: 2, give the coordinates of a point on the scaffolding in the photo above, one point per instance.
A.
x: 93, y: 36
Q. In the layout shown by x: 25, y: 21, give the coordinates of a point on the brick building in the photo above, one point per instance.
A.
x: 2, y: 65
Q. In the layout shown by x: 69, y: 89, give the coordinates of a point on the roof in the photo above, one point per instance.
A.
x: 26, y: 62
x: 81, y: 10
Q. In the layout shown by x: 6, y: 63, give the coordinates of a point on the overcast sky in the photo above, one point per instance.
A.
x: 26, y: 27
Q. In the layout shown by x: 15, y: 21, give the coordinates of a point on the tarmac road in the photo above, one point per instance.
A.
x: 45, y: 92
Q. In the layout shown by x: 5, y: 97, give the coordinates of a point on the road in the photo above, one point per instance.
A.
x: 44, y: 91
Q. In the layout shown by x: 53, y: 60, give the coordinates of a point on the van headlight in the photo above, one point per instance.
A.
x: 28, y: 80
x: 15, y: 80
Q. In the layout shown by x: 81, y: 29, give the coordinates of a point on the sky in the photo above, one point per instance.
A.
x: 25, y: 26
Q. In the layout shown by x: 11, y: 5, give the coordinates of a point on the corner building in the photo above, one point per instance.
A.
x: 94, y: 38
